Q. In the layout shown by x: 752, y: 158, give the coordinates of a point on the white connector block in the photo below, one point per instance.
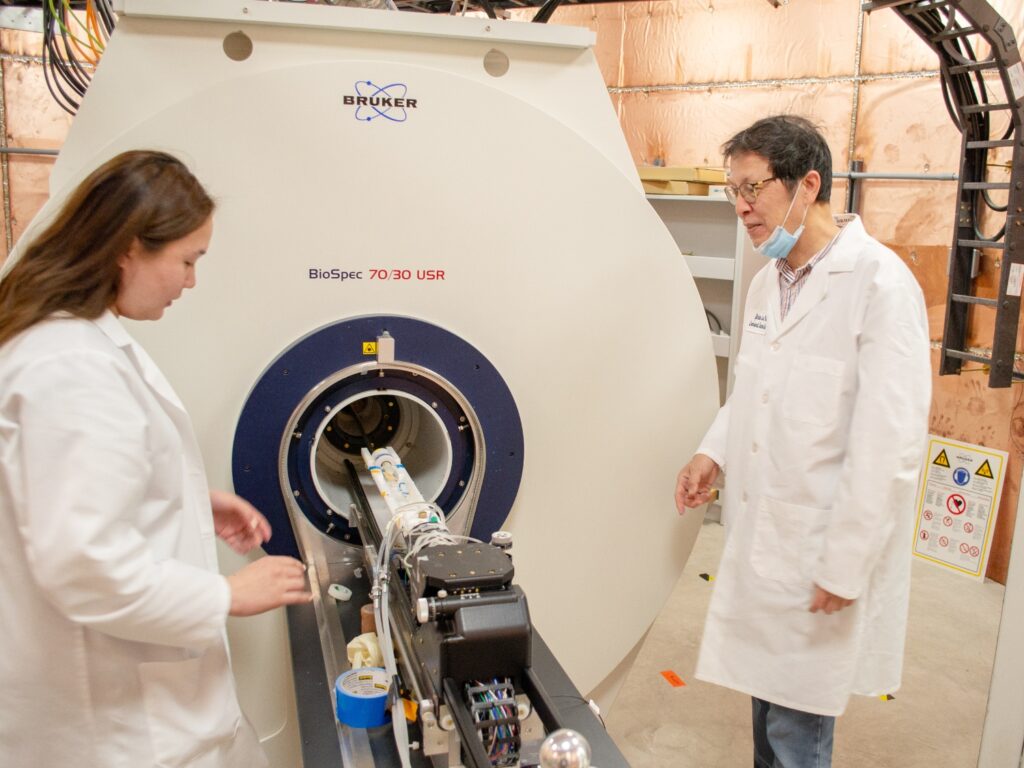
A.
x: 399, y: 492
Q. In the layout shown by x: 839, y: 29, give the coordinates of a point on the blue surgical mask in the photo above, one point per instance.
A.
x: 781, y: 242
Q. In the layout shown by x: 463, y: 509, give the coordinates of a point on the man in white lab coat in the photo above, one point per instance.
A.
x: 822, y: 442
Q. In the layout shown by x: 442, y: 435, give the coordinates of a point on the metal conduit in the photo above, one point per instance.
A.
x: 5, y: 171
x: 772, y: 83
x: 28, y: 151
x: 902, y: 176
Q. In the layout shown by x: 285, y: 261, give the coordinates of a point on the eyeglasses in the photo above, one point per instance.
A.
x: 748, y: 191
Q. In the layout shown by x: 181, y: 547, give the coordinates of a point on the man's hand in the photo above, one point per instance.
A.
x: 238, y: 522
x: 693, y: 486
x: 827, y: 602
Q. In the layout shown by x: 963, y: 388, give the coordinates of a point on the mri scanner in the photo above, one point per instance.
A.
x: 430, y: 236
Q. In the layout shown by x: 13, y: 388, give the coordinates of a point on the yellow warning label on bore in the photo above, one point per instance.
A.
x: 941, y: 459
x: 985, y: 470
x: 370, y: 348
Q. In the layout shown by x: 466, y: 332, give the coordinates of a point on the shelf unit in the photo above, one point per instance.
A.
x: 722, y: 260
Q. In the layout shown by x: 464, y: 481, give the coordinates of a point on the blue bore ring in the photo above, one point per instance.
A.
x: 311, y: 378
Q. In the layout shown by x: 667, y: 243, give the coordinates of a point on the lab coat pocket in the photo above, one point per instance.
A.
x: 786, y: 541
x: 814, y: 389
x: 190, y: 706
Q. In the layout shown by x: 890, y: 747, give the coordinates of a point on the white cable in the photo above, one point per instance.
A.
x: 401, y: 729
x: 382, y: 615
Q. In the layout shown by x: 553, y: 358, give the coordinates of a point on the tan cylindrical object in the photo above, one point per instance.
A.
x: 367, y: 623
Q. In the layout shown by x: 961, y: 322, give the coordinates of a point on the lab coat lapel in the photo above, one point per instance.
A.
x: 147, y: 369
x: 840, y: 258
x: 811, y: 294
x: 774, y: 303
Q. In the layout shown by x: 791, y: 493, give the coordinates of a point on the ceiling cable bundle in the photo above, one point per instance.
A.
x: 74, y: 36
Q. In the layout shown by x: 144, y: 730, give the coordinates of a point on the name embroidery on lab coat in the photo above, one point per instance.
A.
x: 759, y: 323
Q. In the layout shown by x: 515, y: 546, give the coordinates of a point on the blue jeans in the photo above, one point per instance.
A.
x: 789, y: 738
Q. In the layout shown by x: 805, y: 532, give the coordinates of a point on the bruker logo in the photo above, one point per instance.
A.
x: 373, y: 101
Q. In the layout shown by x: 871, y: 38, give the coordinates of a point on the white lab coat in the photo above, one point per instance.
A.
x: 822, y: 442
x: 113, y: 651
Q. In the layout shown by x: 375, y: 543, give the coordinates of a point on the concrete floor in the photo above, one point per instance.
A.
x: 934, y: 721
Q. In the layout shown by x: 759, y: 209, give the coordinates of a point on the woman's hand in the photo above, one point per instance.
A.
x: 266, y: 584
x: 238, y: 522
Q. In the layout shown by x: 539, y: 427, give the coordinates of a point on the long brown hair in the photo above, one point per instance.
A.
x: 73, y: 264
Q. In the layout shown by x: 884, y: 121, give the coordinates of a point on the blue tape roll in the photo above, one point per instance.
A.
x: 361, y: 696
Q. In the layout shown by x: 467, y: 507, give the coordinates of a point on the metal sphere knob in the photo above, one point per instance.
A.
x: 565, y: 749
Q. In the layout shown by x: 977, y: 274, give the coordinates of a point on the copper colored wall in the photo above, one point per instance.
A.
x: 683, y: 76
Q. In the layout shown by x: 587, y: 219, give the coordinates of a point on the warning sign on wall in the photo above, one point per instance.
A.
x: 958, y: 503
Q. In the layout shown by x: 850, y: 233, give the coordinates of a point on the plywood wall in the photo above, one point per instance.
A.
x: 684, y: 75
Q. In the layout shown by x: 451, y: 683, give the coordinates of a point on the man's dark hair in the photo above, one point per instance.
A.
x: 792, y: 145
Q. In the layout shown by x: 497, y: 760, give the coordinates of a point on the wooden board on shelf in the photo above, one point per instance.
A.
x: 711, y: 175
x: 667, y: 173
x: 675, y: 187
x: 704, y: 174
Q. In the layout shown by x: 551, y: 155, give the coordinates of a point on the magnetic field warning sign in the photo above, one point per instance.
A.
x: 957, y: 505
x: 985, y: 470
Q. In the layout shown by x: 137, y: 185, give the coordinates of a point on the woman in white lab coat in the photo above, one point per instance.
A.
x: 113, y: 652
